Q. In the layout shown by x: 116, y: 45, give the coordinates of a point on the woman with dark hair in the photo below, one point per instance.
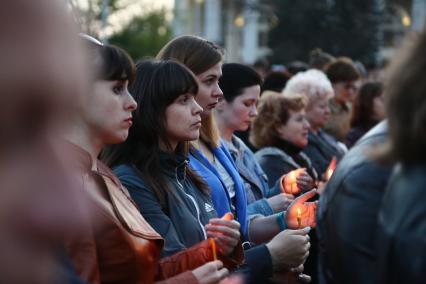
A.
x: 241, y: 88
x: 210, y: 158
x: 152, y: 163
x: 275, y: 82
x: 402, y: 218
x: 368, y: 110
x: 118, y: 245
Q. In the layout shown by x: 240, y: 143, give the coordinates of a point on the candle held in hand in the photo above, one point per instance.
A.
x: 290, y: 182
x: 299, y: 218
x: 228, y: 216
x: 330, y: 170
x: 214, y: 251
x: 293, y: 177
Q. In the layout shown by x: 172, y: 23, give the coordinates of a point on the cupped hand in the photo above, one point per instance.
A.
x: 302, y: 210
x: 296, y: 181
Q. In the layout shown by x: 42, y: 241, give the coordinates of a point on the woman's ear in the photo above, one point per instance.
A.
x: 279, y: 129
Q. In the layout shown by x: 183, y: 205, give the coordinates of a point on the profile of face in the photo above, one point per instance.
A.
x: 346, y: 91
x: 108, y: 111
x: 379, y: 108
x: 183, y: 119
x: 238, y: 114
x: 209, y: 92
x: 296, y: 129
x: 318, y: 112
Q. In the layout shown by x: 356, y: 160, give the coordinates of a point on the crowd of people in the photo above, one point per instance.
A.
x: 186, y: 168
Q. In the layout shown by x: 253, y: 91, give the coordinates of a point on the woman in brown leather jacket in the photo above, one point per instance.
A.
x: 118, y: 245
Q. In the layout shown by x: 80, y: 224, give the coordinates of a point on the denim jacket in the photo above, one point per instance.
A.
x: 255, y: 179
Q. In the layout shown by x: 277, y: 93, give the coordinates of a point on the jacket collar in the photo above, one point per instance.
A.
x: 289, y: 148
x: 83, y: 161
x: 173, y: 164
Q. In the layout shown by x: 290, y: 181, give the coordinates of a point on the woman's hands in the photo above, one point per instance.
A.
x: 289, y: 249
x: 297, y: 181
x: 225, y: 232
x: 300, y: 210
x: 211, y: 272
x: 280, y: 202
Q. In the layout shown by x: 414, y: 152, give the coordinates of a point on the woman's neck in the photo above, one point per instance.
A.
x: 225, y: 132
x: 314, y: 130
x: 204, y: 148
x: 81, y: 136
x: 288, y: 147
x: 168, y: 148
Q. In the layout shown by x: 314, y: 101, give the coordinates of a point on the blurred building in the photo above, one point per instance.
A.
x: 401, y: 17
x: 241, y: 26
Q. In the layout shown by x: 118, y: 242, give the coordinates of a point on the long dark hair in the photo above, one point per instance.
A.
x: 363, y: 108
x: 156, y: 86
x: 108, y: 62
x: 199, y: 55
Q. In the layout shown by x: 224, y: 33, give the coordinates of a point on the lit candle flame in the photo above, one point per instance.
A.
x: 330, y: 170
x: 299, y: 217
x: 228, y: 216
x: 291, y: 181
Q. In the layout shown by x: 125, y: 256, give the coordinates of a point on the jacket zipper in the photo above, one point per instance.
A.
x: 185, y: 163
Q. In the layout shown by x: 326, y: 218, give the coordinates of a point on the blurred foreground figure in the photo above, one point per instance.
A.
x: 402, y: 218
x: 39, y: 76
x: 347, y: 213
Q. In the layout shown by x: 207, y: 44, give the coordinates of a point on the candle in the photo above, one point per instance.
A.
x: 330, y: 170
x: 228, y: 216
x: 290, y: 181
x: 213, y: 244
x: 299, y: 218
x: 293, y: 182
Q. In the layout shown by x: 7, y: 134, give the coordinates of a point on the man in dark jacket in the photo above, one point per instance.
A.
x: 347, y: 214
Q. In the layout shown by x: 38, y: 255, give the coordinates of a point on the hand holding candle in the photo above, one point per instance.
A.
x: 301, y: 213
x: 299, y: 218
x: 330, y: 169
x: 224, y: 232
x: 296, y: 181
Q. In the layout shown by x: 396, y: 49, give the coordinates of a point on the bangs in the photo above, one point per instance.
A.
x: 117, y: 65
x: 180, y: 80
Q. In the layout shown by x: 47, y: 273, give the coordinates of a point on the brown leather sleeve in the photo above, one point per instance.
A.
x: 82, y: 252
x: 194, y: 257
